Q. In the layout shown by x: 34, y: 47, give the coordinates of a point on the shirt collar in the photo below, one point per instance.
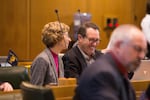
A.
x: 53, y: 53
x: 88, y: 59
x: 85, y: 55
x: 120, y: 66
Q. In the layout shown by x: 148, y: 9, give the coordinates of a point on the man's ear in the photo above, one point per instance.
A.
x: 118, y: 44
x: 79, y: 36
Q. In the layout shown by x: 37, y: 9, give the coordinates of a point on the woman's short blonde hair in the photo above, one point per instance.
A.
x: 52, y: 33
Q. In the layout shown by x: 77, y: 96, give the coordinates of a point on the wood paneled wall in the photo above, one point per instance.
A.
x: 21, y: 21
x: 14, y: 27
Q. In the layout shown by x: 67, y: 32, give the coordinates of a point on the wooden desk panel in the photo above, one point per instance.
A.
x: 65, y: 92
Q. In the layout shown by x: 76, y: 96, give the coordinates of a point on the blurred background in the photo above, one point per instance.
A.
x: 21, y: 21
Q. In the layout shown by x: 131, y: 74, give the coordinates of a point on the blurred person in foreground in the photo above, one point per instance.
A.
x: 107, y: 77
x: 130, y: 73
x: 47, y: 67
x: 84, y: 52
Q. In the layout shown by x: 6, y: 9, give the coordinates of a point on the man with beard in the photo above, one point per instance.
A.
x: 83, y: 52
x: 107, y: 77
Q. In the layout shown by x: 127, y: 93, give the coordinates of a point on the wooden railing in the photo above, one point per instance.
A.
x: 14, y: 95
x: 67, y: 81
x: 66, y: 90
x: 60, y: 93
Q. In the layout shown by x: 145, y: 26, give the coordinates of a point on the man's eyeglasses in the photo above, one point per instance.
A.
x: 93, y: 40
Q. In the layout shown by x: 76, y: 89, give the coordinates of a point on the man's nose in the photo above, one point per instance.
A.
x: 94, y: 44
x: 69, y: 39
x: 142, y: 55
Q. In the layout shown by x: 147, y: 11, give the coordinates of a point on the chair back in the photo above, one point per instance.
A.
x: 34, y: 92
x: 14, y: 75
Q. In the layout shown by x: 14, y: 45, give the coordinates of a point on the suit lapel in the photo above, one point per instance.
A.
x: 80, y: 56
x: 52, y: 62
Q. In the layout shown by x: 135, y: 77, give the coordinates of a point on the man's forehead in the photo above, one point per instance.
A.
x: 91, y: 29
x: 92, y: 32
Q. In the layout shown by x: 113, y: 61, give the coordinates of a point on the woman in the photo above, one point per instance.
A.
x: 47, y: 67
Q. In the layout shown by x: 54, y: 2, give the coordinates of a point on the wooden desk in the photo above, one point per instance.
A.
x: 65, y: 92
x: 140, y: 85
x: 14, y: 95
x: 67, y: 81
x: 24, y: 63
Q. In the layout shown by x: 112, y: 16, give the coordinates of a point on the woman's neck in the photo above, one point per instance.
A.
x: 55, y: 49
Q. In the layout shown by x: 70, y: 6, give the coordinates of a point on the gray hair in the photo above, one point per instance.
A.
x: 123, y: 33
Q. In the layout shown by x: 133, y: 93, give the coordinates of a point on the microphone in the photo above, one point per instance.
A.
x: 80, y: 16
x: 56, y: 11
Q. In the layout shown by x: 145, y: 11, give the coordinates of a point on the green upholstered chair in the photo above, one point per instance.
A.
x: 34, y: 92
x: 14, y: 75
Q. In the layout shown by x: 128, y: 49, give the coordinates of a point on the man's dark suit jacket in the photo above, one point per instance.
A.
x: 74, y: 62
x: 103, y: 80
